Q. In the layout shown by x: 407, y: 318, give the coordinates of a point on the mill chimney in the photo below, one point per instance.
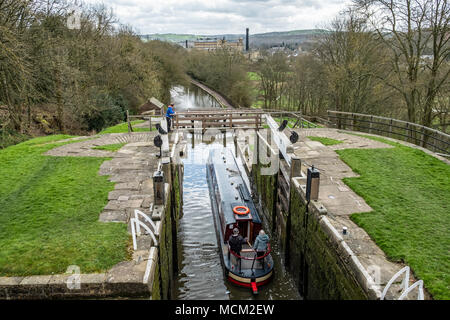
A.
x: 247, y: 39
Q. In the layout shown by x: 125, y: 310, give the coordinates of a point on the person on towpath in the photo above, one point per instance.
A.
x: 169, y: 116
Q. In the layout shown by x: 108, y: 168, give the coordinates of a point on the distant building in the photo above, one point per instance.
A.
x: 253, y: 55
x: 214, y: 44
x: 277, y: 49
x: 426, y: 59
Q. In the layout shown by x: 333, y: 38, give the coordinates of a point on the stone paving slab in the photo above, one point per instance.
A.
x: 334, y: 194
x: 84, y: 148
x: 350, y: 141
x: 36, y: 280
x: 122, y: 195
x: 128, y: 186
x: 114, y: 216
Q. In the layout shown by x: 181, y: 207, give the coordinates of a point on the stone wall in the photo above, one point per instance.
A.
x: 319, y: 267
x: 265, y: 187
x: 168, y: 237
x: 320, y: 262
x: 166, y: 251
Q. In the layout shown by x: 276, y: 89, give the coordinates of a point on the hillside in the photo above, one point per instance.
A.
x: 256, y: 40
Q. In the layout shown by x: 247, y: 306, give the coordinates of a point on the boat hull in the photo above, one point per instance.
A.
x: 245, y: 276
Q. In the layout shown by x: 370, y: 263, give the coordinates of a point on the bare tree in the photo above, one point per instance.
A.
x: 417, y: 34
x: 352, y: 60
x: 74, y: 78
x: 15, y: 16
x: 274, y: 75
x: 307, y: 86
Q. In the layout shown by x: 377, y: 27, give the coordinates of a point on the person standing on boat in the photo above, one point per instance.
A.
x: 261, y: 244
x: 169, y: 116
x: 235, y: 242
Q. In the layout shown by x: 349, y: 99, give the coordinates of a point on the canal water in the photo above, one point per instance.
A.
x: 200, y: 275
x: 192, y: 97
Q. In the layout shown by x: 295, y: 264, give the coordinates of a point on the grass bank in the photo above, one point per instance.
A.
x: 111, y: 147
x: 123, y: 128
x: 292, y: 121
x: 325, y: 141
x: 49, y: 210
x: 409, y: 192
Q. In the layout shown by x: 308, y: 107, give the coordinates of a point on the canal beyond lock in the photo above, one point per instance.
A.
x: 200, y: 275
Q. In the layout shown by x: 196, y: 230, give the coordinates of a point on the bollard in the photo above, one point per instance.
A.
x: 296, y: 167
x: 158, y: 188
x: 166, y: 168
x: 312, y: 184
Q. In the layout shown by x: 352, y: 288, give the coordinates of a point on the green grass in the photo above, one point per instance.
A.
x: 409, y: 192
x: 253, y: 76
x: 49, y: 210
x: 123, y: 128
x: 292, y: 121
x: 258, y: 104
x: 110, y: 147
x: 325, y: 141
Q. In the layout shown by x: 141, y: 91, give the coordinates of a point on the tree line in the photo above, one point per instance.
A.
x: 67, y: 69
x: 380, y: 57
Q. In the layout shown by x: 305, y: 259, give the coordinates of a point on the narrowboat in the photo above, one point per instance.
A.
x: 233, y: 207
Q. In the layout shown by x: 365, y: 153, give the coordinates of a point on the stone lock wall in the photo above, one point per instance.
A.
x: 173, y: 212
x: 315, y: 261
x: 318, y: 264
x: 265, y: 188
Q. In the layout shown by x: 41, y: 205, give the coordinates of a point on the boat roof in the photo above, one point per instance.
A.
x: 232, y: 189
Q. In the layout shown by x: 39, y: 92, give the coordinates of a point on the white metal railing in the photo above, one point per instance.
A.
x: 405, y: 284
x: 136, y: 225
x: 138, y: 213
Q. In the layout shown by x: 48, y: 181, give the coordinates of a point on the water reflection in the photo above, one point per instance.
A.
x: 201, y: 276
x: 192, y: 97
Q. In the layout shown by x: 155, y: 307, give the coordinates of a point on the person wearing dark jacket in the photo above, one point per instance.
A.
x: 235, y: 242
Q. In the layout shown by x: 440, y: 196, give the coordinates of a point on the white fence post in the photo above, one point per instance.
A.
x: 133, y: 233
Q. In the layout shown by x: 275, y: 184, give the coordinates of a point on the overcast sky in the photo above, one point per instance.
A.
x: 223, y: 16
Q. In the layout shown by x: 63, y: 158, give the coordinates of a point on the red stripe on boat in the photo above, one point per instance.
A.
x: 254, y: 288
x: 246, y: 284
